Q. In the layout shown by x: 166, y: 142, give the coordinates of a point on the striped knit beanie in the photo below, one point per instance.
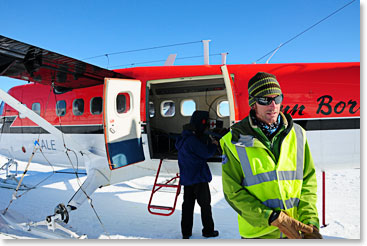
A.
x: 262, y: 85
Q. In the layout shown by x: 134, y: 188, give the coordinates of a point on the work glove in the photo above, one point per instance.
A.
x: 314, y: 235
x: 291, y: 227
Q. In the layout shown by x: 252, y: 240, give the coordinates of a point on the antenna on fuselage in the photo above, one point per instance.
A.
x: 224, y: 58
x: 267, y: 61
x: 206, y: 51
x: 170, y: 60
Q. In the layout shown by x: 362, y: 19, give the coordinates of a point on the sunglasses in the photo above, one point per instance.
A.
x: 268, y: 100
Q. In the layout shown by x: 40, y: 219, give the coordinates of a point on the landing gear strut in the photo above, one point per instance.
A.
x: 61, y: 213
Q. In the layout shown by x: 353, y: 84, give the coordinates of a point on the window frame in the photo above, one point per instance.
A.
x: 151, y: 103
x: 64, y: 108
x: 181, y: 108
x: 78, y: 108
x: 127, y: 103
x: 91, y: 104
x: 40, y: 109
x: 161, y: 109
x: 218, y: 106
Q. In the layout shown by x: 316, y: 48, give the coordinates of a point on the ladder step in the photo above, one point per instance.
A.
x: 167, y: 185
x: 160, y: 207
x: 158, y: 186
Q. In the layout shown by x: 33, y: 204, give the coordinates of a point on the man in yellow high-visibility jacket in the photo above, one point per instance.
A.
x: 268, y: 173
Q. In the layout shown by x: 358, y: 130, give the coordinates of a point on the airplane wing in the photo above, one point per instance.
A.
x: 26, y: 62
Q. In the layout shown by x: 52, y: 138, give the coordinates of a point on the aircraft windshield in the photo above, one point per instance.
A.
x: 1, y: 108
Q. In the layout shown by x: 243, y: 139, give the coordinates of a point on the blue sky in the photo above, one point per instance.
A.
x: 247, y: 30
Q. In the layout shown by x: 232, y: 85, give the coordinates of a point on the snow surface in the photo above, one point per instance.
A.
x: 122, y: 208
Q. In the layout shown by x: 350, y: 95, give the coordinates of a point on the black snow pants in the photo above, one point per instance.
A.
x: 201, y: 193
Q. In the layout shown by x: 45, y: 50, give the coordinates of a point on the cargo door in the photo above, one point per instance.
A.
x: 121, y: 118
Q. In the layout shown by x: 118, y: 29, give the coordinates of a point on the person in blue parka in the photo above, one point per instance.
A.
x: 193, y: 152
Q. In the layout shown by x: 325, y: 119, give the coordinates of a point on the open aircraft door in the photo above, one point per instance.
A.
x: 232, y: 103
x: 121, y: 117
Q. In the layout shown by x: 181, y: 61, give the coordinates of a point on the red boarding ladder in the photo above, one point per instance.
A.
x: 157, y: 187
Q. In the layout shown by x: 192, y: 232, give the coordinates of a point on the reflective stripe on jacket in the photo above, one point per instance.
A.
x: 251, y: 172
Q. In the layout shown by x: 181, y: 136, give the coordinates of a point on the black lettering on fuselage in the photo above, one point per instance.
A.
x: 326, y: 106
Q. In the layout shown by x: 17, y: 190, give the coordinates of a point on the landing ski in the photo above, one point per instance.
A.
x: 41, y: 229
x: 12, y: 183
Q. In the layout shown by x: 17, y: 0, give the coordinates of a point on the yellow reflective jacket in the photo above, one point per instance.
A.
x: 260, y: 176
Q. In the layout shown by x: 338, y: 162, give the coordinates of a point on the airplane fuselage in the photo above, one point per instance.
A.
x: 119, y: 124
x: 328, y: 111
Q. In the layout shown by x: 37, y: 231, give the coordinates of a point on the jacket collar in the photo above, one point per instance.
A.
x: 248, y: 127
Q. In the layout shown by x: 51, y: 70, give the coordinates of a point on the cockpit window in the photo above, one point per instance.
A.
x: 36, y: 107
x: 1, y: 108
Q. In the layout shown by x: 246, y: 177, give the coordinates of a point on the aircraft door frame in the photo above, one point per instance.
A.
x: 233, y: 114
x: 121, y: 121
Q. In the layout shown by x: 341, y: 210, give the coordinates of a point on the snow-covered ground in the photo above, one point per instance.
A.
x: 122, y: 208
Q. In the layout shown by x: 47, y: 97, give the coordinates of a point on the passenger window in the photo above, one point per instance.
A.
x: 223, y: 109
x: 78, y: 107
x: 36, y: 107
x: 151, y: 110
x: 61, y: 108
x: 123, y: 103
x: 168, y: 108
x: 96, y: 105
x: 188, y: 107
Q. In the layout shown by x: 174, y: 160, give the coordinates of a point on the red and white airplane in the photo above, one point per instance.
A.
x: 118, y: 124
